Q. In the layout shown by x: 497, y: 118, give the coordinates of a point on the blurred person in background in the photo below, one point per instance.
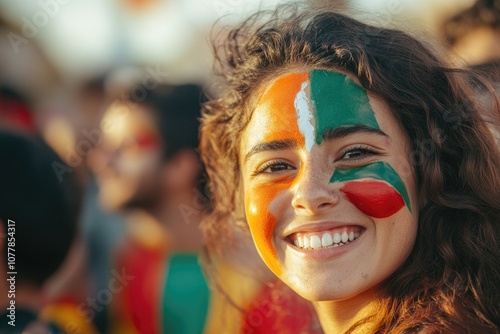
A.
x: 148, y: 169
x: 27, y: 81
x: 100, y: 230
x: 66, y: 117
x: 38, y: 223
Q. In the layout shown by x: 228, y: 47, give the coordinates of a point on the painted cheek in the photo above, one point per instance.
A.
x: 262, y: 221
x: 276, y: 111
x: 370, y: 186
x: 374, y: 198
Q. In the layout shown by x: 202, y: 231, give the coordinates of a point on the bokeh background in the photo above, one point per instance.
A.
x: 63, y: 61
x: 50, y: 48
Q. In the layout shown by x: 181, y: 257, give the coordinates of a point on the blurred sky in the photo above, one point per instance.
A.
x: 84, y: 37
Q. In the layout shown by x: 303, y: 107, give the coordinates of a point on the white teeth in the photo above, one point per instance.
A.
x: 301, y: 241
x: 345, y: 237
x: 326, y: 240
x: 315, y: 242
x: 306, y: 242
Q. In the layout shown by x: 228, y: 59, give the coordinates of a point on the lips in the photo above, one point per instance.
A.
x: 330, y: 238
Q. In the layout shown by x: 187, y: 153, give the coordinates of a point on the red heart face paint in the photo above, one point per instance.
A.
x: 375, y: 198
x: 377, y: 191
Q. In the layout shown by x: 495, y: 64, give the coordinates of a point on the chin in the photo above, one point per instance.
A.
x: 323, y: 293
x: 327, y: 288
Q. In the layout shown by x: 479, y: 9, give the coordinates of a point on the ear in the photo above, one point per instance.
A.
x: 182, y: 170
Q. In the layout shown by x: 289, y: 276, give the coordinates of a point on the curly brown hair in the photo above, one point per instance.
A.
x: 450, y: 282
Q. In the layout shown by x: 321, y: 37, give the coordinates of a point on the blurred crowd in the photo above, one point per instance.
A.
x: 101, y: 176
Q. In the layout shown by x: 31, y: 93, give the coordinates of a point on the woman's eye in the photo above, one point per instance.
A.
x: 273, y: 167
x: 277, y: 167
x: 357, y: 153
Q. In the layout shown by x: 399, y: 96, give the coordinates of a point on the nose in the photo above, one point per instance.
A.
x: 313, y: 192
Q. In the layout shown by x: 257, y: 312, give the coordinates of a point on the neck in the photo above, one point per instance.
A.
x: 339, y: 316
x: 180, y: 214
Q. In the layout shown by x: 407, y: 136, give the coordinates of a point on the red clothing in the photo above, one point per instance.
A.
x: 278, y: 310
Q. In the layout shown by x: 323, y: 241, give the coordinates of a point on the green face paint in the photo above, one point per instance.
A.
x: 338, y: 101
x: 375, y: 171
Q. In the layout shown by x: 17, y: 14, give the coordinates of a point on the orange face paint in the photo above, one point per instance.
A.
x: 277, y: 121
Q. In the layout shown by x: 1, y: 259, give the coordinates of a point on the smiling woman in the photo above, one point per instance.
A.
x: 359, y: 192
x: 306, y: 233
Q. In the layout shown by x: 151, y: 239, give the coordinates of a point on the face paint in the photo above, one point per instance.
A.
x: 147, y: 140
x: 304, y: 116
x: 338, y: 101
x: 284, y: 113
x: 279, y: 109
x: 294, y: 198
x: 374, y: 197
x: 262, y: 221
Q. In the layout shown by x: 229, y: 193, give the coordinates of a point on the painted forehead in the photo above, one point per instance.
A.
x: 316, y: 101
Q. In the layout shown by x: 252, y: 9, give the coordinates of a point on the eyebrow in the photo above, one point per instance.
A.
x: 339, y: 132
x: 347, y: 130
x: 276, y: 145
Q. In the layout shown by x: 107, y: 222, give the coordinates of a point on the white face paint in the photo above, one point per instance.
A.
x: 304, y: 117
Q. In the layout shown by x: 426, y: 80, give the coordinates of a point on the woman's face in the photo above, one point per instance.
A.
x: 329, y: 193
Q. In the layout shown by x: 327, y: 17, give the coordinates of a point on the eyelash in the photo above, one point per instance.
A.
x: 363, y: 149
x: 263, y: 167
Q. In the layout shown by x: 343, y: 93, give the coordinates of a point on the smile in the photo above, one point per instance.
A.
x: 326, y: 239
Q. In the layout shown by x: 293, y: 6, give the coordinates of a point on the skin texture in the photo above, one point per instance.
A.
x: 354, y: 175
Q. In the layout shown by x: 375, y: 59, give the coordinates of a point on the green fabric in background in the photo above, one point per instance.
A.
x: 186, y: 296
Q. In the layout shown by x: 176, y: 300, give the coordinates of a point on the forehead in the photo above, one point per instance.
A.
x: 275, y: 113
x: 331, y: 99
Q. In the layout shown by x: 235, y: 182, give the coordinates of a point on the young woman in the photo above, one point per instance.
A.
x: 369, y: 180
